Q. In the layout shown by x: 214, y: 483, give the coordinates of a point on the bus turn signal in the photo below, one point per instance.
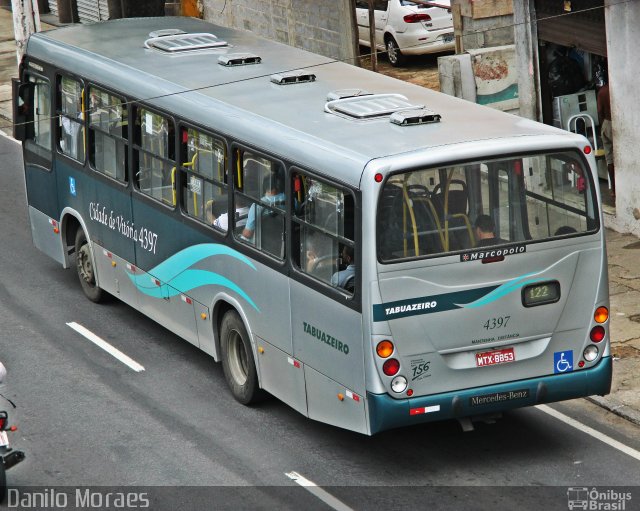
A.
x: 384, y: 349
x: 601, y: 315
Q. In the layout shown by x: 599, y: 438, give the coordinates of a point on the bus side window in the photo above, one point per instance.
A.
x: 155, y: 154
x: 323, y: 226
x: 260, y: 188
x: 108, y: 134
x: 204, y: 178
x: 71, y: 118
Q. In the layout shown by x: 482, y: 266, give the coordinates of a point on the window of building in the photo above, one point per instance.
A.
x: 204, y: 178
x: 323, y: 223
x: 154, y: 151
x: 71, y: 118
x: 108, y: 132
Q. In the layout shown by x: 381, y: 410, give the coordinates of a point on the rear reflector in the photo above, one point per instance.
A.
x: 424, y: 409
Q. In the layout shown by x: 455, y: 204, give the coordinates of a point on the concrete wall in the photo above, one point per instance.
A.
x: 323, y: 27
x: 487, y: 76
x: 623, y: 37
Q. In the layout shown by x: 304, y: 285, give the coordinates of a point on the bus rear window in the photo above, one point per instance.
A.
x: 435, y: 211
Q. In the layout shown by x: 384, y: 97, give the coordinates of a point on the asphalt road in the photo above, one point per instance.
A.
x: 174, y: 432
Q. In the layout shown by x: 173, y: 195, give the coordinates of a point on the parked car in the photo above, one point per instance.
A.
x: 406, y: 27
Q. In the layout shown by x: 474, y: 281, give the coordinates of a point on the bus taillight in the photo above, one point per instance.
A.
x: 601, y: 315
x: 384, y: 349
x: 391, y: 367
x: 590, y: 353
x: 597, y: 333
x: 399, y: 384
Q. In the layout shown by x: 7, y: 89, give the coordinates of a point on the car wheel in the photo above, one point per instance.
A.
x: 395, y: 56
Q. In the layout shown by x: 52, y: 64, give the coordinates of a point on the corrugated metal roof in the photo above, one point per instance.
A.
x: 53, y: 7
x: 90, y: 11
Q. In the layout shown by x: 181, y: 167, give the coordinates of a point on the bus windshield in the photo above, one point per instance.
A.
x: 435, y: 211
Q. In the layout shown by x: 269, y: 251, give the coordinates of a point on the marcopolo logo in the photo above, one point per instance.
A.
x: 597, y: 499
x: 479, y: 255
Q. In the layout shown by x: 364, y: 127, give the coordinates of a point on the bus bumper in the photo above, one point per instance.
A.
x: 388, y: 413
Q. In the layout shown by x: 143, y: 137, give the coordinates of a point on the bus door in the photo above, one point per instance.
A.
x: 489, y: 271
x: 326, y: 321
x: 33, y: 121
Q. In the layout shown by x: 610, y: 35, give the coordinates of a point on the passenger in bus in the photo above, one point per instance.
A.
x: 312, y: 252
x: 343, y: 277
x: 273, y: 196
x: 485, y: 231
x: 222, y: 221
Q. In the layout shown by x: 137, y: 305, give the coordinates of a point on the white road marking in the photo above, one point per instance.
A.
x: 314, y: 489
x: 630, y: 451
x: 88, y: 334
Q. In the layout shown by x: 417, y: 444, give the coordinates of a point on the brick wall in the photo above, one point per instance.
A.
x: 319, y: 26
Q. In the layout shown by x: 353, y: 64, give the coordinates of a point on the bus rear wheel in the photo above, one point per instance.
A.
x: 237, y: 360
x: 85, y: 269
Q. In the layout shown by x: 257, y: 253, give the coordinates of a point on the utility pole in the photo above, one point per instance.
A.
x: 372, y: 37
x: 26, y: 21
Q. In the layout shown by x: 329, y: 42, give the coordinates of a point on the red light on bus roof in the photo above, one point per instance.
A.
x: 378, y: 177
x: 587, y: 149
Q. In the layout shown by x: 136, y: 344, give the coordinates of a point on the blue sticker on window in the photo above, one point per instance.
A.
x: 72, y: 186
x: 563, y: 361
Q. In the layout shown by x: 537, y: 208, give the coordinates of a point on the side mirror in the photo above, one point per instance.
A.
x: 23, y: 94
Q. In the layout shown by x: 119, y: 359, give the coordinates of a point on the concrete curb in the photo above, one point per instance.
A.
x: 624, y: 411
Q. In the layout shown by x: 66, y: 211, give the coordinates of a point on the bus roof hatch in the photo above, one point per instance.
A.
x: 370, y: 106
x: 179, y: 43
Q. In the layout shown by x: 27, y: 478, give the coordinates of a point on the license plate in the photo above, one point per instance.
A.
x: 447, y: 38
x: 489, y: 358
x: 4, y: 439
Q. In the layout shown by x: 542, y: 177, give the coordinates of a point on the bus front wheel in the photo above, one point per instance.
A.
x: 237, y: 360
x: 85, y: 269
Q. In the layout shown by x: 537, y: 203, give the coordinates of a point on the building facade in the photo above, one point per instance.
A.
x: 318, y: 26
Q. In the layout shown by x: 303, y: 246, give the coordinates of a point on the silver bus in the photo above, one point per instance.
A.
x: 370, y: 252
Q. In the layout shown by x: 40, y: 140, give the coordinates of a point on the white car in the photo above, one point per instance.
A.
x: 406, y: 27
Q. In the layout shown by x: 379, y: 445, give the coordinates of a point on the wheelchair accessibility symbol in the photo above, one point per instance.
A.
x: 563, y: 361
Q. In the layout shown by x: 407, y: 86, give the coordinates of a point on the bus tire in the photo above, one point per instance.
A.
x: 85, y: 269
x: 237, y: 360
